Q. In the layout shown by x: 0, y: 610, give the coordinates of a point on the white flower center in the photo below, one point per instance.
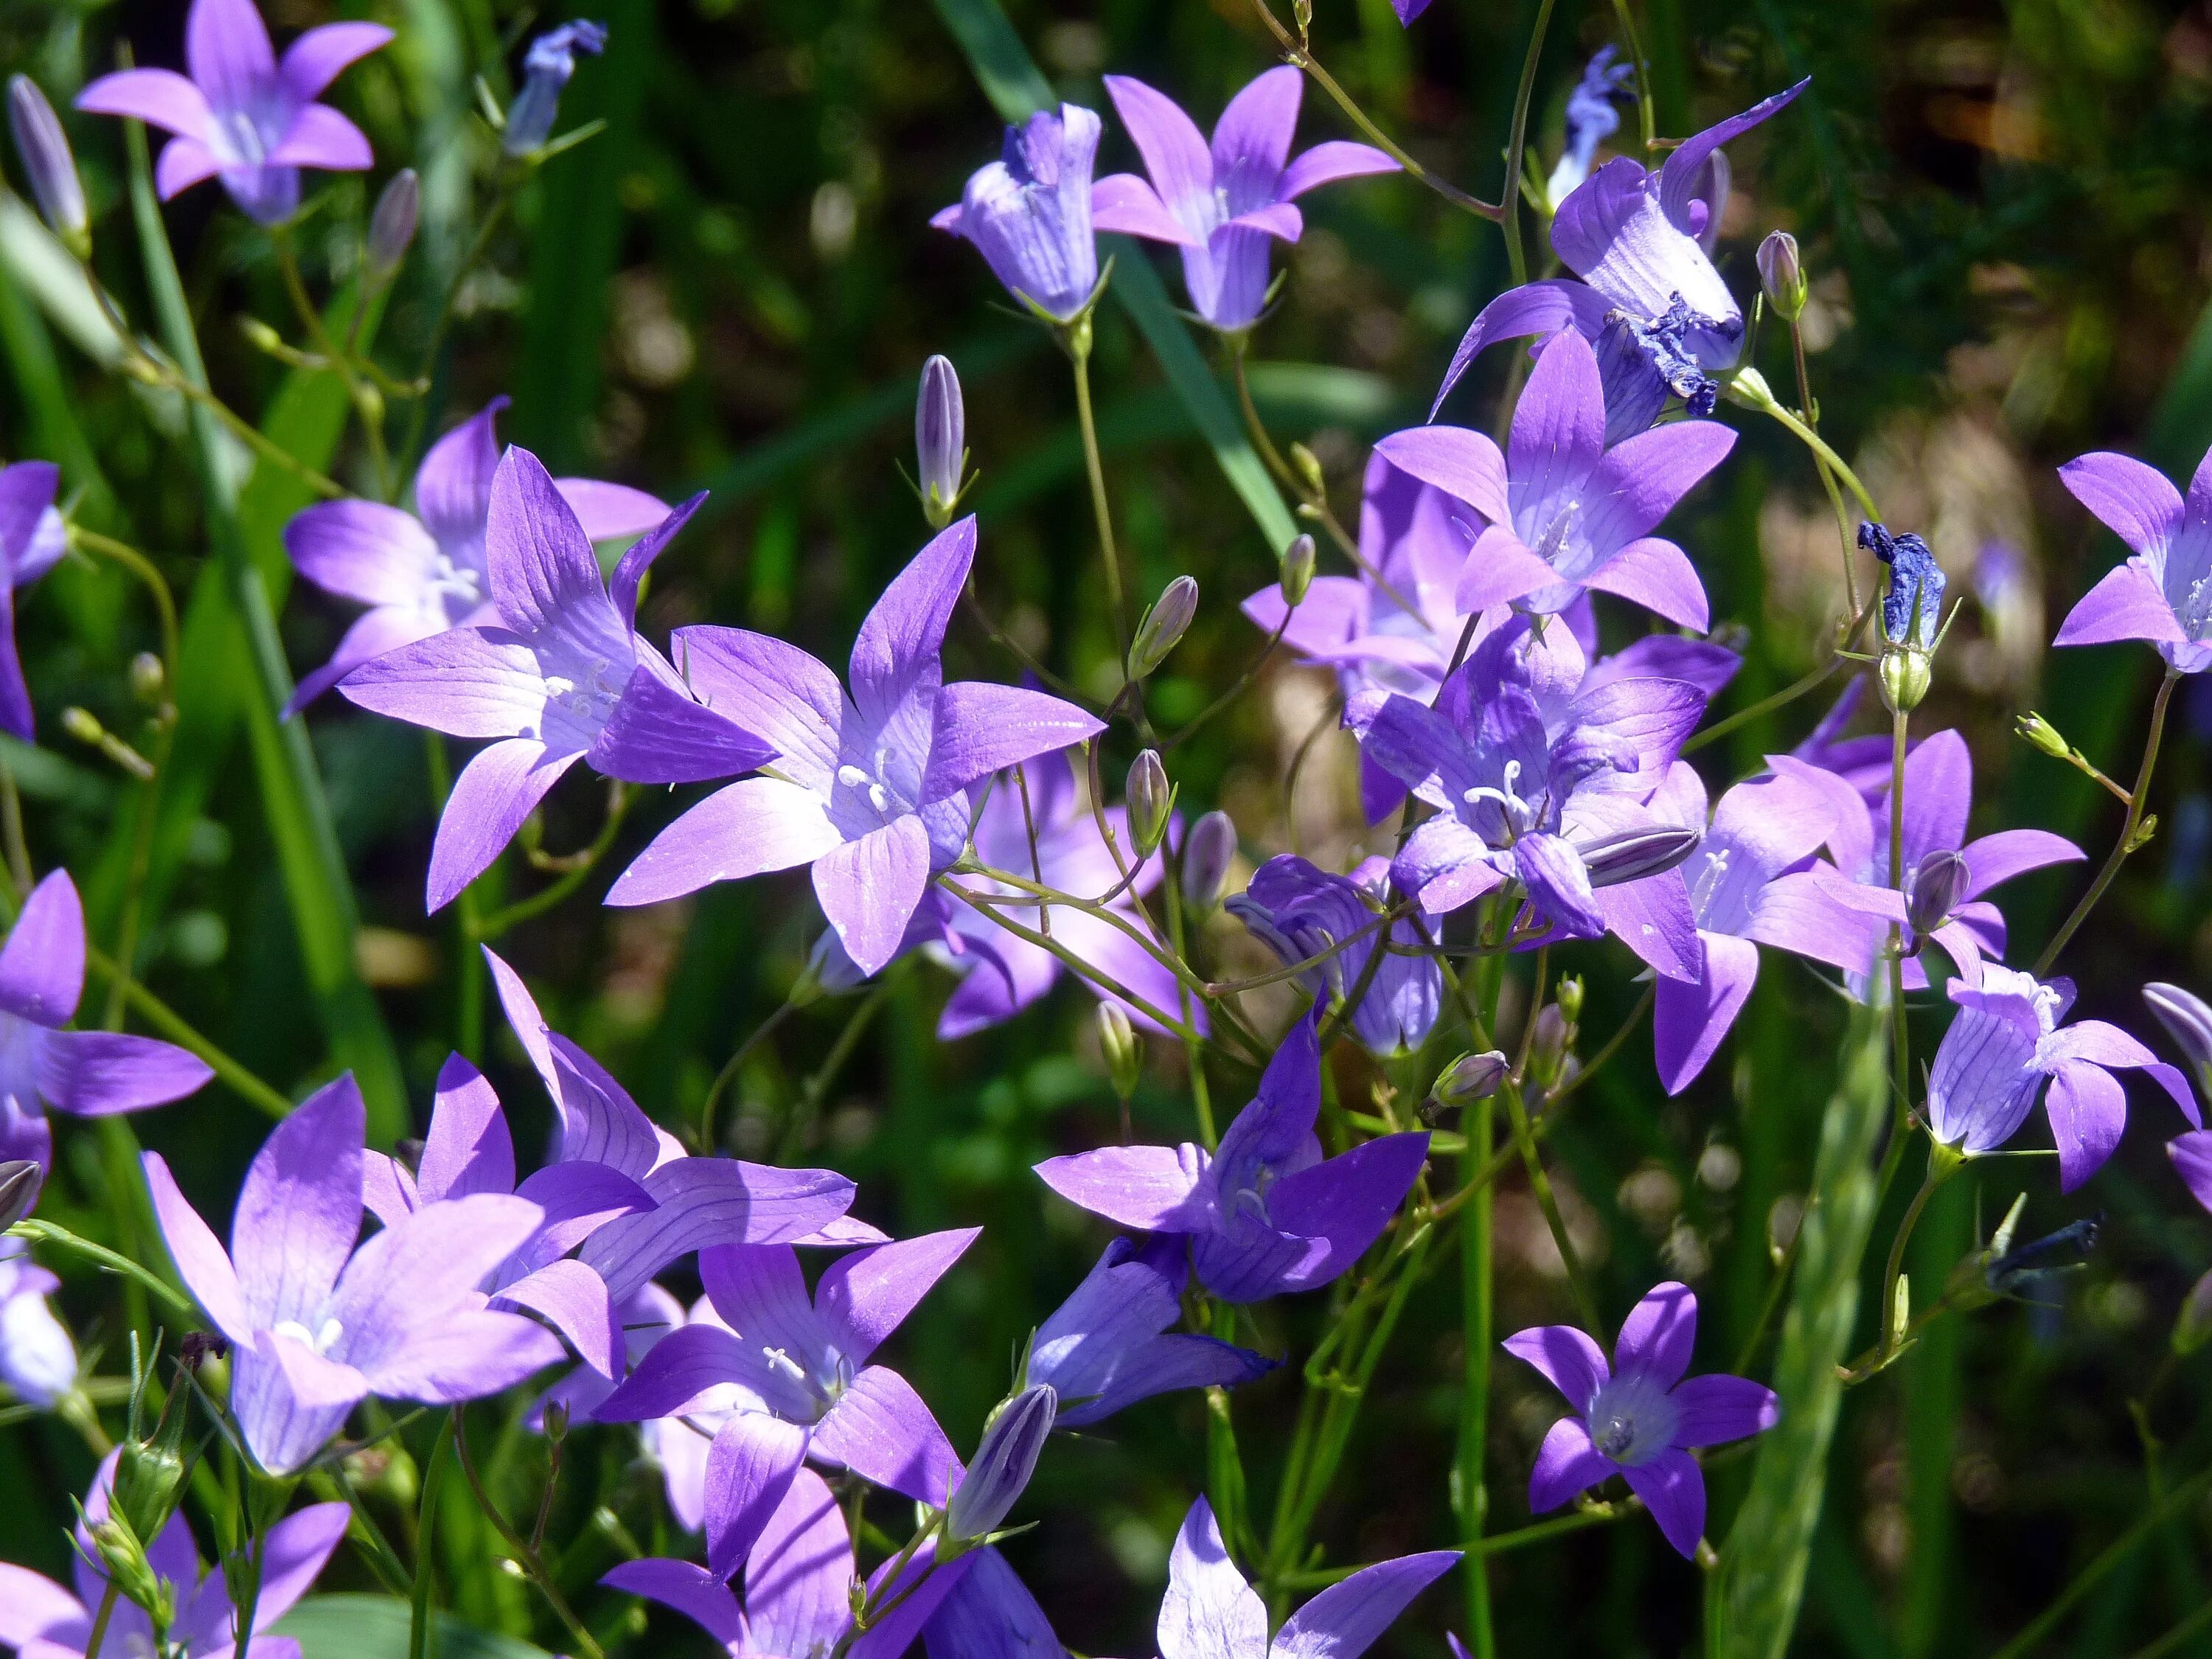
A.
x: 319, y: 1342
x: 1520, y: 815
x: 1631, y: 1419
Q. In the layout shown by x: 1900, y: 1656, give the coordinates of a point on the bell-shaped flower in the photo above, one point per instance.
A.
x: 2006, y: 1041
x: 424, y: 572
x: 1222, y: 202
x: 245, y: 116
x: 32, y: 540
x: 1640, y: 1417
x: 1209, y: 1611
x: 2163, y: 592
x: 41, y: 1619
x: 546, y: 69
x: 1300, y: 911
x: 38, y: 1360
x: 558, y: 674
x: 1265, y: 1214
x: 84, y: 1074
x: 1563, y: 511
x: 871, y: 789
x: 1649, y: 296
x: 1031, y: 213
x: 316, y: 1324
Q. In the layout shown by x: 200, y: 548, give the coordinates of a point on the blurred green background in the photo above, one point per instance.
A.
x: 733, y: 287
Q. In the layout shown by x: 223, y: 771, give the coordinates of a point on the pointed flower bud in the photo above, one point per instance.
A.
x: 1117, y: 1038
x: 20, y: 1180
x: 546, y: 69
x: 1548, y: 1052
x: 1633, y: 854
x: 392, y: 225
x: 1163, y: 626
x: 1206, y: 855
x: 1782, y: 275
x: 2044, y: 735
x: 150, y: 1473
x: 1150, y: 801
x: 1004, y: 1462
x: 2193, y: 1324
x: 1297, y: 570
x: 1470, y: 1078
x: 2187, y: 1020
x: 941, y: 441
x: 48, y: 164
x: 1935, y: 891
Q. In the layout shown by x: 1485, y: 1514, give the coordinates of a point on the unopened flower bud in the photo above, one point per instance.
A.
x: 125, y: 1557
x: 941, y: 441
x: 2187, y: 1020
x: 1469, y: 1078
x: 1297, y: 570
x: 2044, y: 735
x: 83, y: 725
x: 546, y: 69
x: 48, y: 164
x: 1935, y: 891
x: 1307, y: 465
x: 150, y: 1473
x: 556, y: 1420
x: 1548, y: 1053
x: 1004, y: 1462
x: 392, y: 225
x: 1207, y: 853
x: 1569, y: 994
x: 20, y: 1180
x: 1782, y: 275
x: 1150, y: 801
x: 1118, y: 1040
x: 1633, y: 855
x: 1163, y: 626
x: 2192, y: 1326
x: 149, y: 679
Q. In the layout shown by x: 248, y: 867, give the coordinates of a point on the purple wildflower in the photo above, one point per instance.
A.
x: 1592, y: 117
x: 424, y: 572
x: 1565, y: 512
x: 84, y: 1074
x: 1266, y: 1214
x: 1030, y: 212
x: 2005, y: 1041
x: 31, y: 541
x: 1210, y: 1611
x: 1863, y: 762
x: 1005, y: 1457
x: 38, y: 1360
x: 2163, y: 592
x: 1641, y: 242
x: 1299, y: 910
x: 558, y: 675
x: 546, y: 68
x: 989, y: 1614
x: 1223, y: 201
x: 41, y: 1619
x: 2192, y: 1160
x: 243, y: 115
x: 1639, y: 1417
x: 872, y: 787
x: 317, y: 1324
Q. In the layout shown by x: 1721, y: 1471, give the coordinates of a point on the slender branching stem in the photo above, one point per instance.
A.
x: 2131, y: 837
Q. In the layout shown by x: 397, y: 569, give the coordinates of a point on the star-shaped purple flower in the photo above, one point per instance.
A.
x: 424, y: 572
x: 1265, y: 1214
x: 244, y: 116
x: 31, y: 540
x: 1638, y: 1417
x: 1223, y: 201
x: 84, y: 1074
x: 869, y: 789
x: 1299, y: 910
x: 1564, y: 511
x: 558, y: 675
x: 2163, y: 592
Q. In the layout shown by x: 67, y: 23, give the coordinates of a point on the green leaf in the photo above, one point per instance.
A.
x: 358, y: 1626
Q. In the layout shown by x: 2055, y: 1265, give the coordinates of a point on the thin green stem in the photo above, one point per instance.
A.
x: 578, y: 870
x: 173, y: 1026
x: 2128, y: 841
x: 1476, y: 1268
x: 99, y: 1620
x: 1647, y: 105
x: 420, y: 1626
x: 1079, y: 352
x: 367, y: 406
x: 1544, y: 1531
x: 39, y: 1231
x: 532, y: 1563
x: 2112, y: 1555
x: 728, y: 1074
x: 1942, y: 1165
x: 1509, y: 199
x: 435, y: 343
x: 1900, y: 1031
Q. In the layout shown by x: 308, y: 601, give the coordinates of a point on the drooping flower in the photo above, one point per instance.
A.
x: 1563, y: 511
x: 1592, y: 117
x: 546, y: 69
x: 32, y: 541
x: 41, y: 1619
x: 1650, y: 297
x: 1639, y: 1417
x: 558, y: 675
x: 38, y: 1360
x: 1300, y: 911
x: 1227, y: 198
x: 424, y: 572
x: 872, y: 787
x: 84, y: 1074
x: 2006, y: 1041
x: 1265, y: 1214
x: 1210, y: 1611
x: 2163, y: 592
x: 1913, y: 598
x: 316, y: 1324
x: 244, y: 116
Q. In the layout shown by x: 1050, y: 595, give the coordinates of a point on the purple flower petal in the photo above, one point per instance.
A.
x: 2124, y: 604
x: 989, y: 1614
x: 1149, y: 1189
x: 1674, y: 1489
x: 1559, y: 426
x: 1174, y: 151
x: 1796, y: 913
x: 466, y: 681
x: 468, y: 1149
x: 868, y: 889
x: 864, y: 1296
x: 2135, y: 503
x: 1658, y: 576
x: 599, y: 1122
x: 1568, y: 1360
x: 1690, y: 1018
x: 773, y: 689
x: 1657, y: 1336
x: 1642, y: 478
x: 1252, y: 141
x: 202, y: 1262
x: 226, y: 48
x: 800, y: 1572
x: 1994, y: 859
x: 1543, y: 308
x: 701, y: 1201
x: 1679, y: 179
x: 574, y: 1300
x: 1463, y: 463
x: 1209, y: 1611
x: 1346, y: 1202
x: 1344, y: 1620
x: 544, y: 575
x: 2192, y: 1159
x: 1326, y: 163
x: 897, y: 651
x: 757, y: 824
x: 299, y: 1211
x: 611, y: 512
x: 453, y: 487
x: 980, y: 728
x: 659, y: 735
x: 1445, y: 866
x: 1717, y: 1409
x: 494, y: 793
x: 881, y: 1430
x: 419, y: 1273
x: 361, y: 550
x: 1652, y: 917
x: 160, y: 98
x: 321, y: 55
x: 42, y: 965
x: 93, y: 1073
x: 1558, y: 885
x: 1122, y: 202
x: 2088, y: 1110
x: 678, y: 1375
x: 749, y: 1470
x: 321, y: 137
x: 1499, y: 569
x: 1567, y: 1463
x: 688, y: 1588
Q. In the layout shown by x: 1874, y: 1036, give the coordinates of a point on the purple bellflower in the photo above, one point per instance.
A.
x: 1299, y: 910
x: 2163, y: 592
x: 1225, y: 200
x: 558, y: 675
x: 243, y: 115
x: 424, y: 572
x: 2005, y: 1041
x: 41, y: 1619
x: 32, y: 540
x: 1592, y: 117
x: 84, y: 1074
x: 989, y: 1614
x: 317, y: 1324
x: 1110, y: 1344
x: 1638, y: 1417
x: 1210, y: 1611
x: 1565, y: 512
x: 871, y: 789
x: 1649, y: 297
x: 546, y: 69
x: 38, y: 1360
x: 1031, y: 213
x: 1265, y: 1214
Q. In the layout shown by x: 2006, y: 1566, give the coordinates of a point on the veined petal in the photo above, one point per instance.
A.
x: 1122, y: 202
x: 869, y: 888
x: 2137, y: 503
x: 42, y: 964
x: 1346, y: 1620
x: 701, y: 1201
x: 574, y: 1300
x: 801, y: 1570
x: 494, y: 793
x: 1567, y: 1463
x: 1209, y: 1611
x: 1151, y: 1188
x: 1717, y: 1409
x: 1569, y: 1360
x: 659, y: 735
x: 1690, y: 1018
x: 419, y: 1274
x: 2124, y: 604
x: 1252, y: 140
x: 1641, y: 479
x: 202, y: 1262
x: 1679, y: 178
x: 453, y: 487
x: 897, y: 648
x: 880, y: 1429
x: 299, y: 1211
x: 543, y: 573
x: 688, y: 1588
x: 1499, y: 569
x: 754, y: 825
x: 361, y: 550
x: 1542, y: 308
x: 1463, y: 463
x: 863, y: 1297
x: 1559, y: 426
x: 466, y: 681
x: 468, y: 1149
x: 1346, y: 1202
x: 980, y: 728
x: 1659, y: 1334
x: 749, y: 1470
x: 762, y: 684
x: 1674, y: 1489
x: 1658, y: 576
x: 93, y: 1073
x: 1326, y: 163
x: 1994, y: 859
x: 2088, y: 1110
x: 1174, y: 151
x: 638, y: 558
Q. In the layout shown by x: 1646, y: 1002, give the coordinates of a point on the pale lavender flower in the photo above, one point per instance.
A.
x: 2006, y: 1041
x: 47, y: 164
x: 1299, y: 910
x: 38, y: 1360
x: 872, y: 790
x: 1265, y: 1214
x: 558, y: 674
x: 1029, y: 213
x: 316, y: 1324
x: 84, y: 1074
x: 1592, y: 117
x: 32, y: 540
x: 243, y: 115
x: 1223, y: 201
x: 424, y: 572
x: 1640, y: 1417
x: 2163, y: 592
x: 546, y: 68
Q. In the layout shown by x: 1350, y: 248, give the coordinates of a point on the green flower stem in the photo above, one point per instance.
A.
x: 1811, y: 681
x: 173, y: 1026
x: 99, y: 1620
x: 1942, y: 1165
x: 1077, y: 337
x: 2040, y: 1626
x: 1074, y: 963
x: 573, y: 874
x: 366, y: 402
x: 532, y: 1563
x: 1509, y: 199
x: 728, y: 1074
x: 1900, y: 1032
x: 1470, y: 1488
x: 420, y: 1628
x: 2129, y: 831
x: 48, y: 1232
